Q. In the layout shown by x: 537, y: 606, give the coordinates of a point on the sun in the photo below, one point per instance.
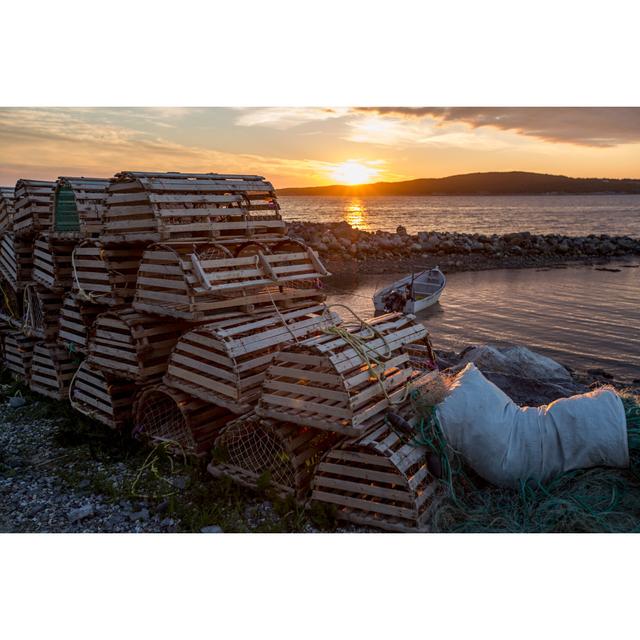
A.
x: 353, y: 172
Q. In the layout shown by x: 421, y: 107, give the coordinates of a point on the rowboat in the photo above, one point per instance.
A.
x: 412, y: 293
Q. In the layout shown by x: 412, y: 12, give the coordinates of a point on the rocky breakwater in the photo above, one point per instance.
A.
x: 340, y: 245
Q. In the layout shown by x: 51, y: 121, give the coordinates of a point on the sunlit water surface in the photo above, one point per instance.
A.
x: 580, y: 316
x: 568, y: 215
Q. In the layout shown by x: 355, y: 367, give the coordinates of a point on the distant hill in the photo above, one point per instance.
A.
x: 491, y: 183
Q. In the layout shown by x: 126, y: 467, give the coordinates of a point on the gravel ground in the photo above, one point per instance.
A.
x: 61, y: 473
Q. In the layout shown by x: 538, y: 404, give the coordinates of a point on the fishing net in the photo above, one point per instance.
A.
x: 593, y: 500
x: 257, y: 449
x: 160, y: 418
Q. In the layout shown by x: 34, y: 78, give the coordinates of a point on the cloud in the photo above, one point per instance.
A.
x: 287, y: 117
x: 402, y: 132
x: 586, y: 126
x: 46, y: 143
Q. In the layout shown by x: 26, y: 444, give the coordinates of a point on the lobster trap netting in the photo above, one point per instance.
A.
x: 257, y: 450
x: 259, y: 453
x: 160, y: 418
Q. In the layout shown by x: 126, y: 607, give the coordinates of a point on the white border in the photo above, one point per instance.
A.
x: 328, y: 52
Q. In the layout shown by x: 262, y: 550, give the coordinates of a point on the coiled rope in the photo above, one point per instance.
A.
x: 371, y: 357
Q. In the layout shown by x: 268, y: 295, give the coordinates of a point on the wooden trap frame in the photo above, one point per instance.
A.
x: 225, y: 362
x: 16, y: 259
x: 41, y: 312
x: 77, y: 207
x: 52, y: 369
x: 105, y: 275
x: 156, y: 207
x: 204, y: 281
x: 76, y: 318
x: 18, y: 353
x: 131, y: 345
x: 107, y: 400
x: 52, y: 265
x: 342, y: 380
x: 380, y: 479
x: 32, y: 207
x: 421, y: 356
x: 252, y: 451
x: 7, y: 200
x: 187, y: 425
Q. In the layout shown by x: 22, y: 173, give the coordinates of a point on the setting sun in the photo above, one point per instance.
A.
x: 352, y: 172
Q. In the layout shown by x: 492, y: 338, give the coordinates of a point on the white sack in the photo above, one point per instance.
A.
x: 505, y: 443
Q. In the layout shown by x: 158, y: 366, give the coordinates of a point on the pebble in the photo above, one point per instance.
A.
x: 214, y: 528
x: 143, y: 514
x: 81, y: 513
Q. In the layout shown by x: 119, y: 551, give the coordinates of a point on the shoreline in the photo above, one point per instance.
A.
x: 344, y: 248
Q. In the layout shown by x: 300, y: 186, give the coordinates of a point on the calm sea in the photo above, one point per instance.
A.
x: 569, y: 215
x: 578, y: 315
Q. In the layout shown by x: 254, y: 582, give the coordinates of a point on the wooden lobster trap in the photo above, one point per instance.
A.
x: 18, y: 353
x: 185, y: 424
x: 131, y: 345
x: 16, y: 259
x: 198, y: 282
x: 52, y: 264
x: 343, y: 380
x: 107, y: 400
x: 32, y: 207
x: 78, y: 205
x: 156, y: 207
x: 76, y: 318
x: 380, y: 479
x: 225, y: 362
x: 7, y: 200
x: 255, y: 452
x: 10, y: 305
x: 41, y: 312
x: 105, y: 275
x: 52, y: 369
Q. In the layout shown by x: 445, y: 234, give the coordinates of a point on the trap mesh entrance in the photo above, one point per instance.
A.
x: 161, y: 419
x: 258, y: 450
x: 213, y: 252
x: 252, y: 451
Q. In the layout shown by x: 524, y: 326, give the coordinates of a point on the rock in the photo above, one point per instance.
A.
x: 179, y: 482
x: 75, y: 515
x: 115, y: 520
x: 167, y: 522
x: 162, y: 507
x: 527, y: 377
x: 35, y: 510
x: 83, y: 484
x: 17, y: 401
x: 214, y: 528
x: 143, y: 514
x: 600, y: 373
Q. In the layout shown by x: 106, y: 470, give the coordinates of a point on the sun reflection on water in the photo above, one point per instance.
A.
x: 355, y: 213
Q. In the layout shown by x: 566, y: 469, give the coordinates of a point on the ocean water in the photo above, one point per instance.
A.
x: 578, y: 315
x: 569, y: 215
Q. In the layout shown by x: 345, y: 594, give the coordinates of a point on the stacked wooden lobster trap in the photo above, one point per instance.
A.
x: 177, y: 305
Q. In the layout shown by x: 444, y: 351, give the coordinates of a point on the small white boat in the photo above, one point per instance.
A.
x: 411, y: 294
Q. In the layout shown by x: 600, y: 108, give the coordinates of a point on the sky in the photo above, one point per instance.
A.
x: 310, y: 146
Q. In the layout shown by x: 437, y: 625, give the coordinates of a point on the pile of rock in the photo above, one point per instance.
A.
x: 333, y: 240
